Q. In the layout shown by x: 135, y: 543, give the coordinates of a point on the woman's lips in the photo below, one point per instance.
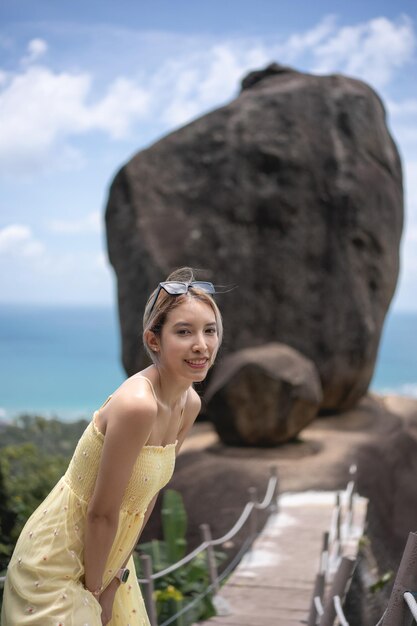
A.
x: 197, y: 364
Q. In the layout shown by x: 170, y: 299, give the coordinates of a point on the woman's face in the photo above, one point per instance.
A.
x: 189, y: 340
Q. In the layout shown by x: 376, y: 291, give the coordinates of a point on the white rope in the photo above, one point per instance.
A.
x: 339, y: 611
x: 215, y: 542
x: 319, y: 606
x: 412, y: 604
x: 382, y: 619
x: 268, y: 495
x: 235, y: 529
x: 178, y: 564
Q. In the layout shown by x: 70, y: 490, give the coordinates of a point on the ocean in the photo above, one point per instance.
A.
x: 64, y: 361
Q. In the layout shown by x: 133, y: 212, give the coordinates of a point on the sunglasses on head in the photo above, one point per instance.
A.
x: 176, y: 288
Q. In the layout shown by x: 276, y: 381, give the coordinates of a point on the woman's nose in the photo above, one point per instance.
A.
x: 200, y: 343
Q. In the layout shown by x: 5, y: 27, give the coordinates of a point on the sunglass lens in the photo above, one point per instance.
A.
x: 174, y: 288
x: 205, y: 286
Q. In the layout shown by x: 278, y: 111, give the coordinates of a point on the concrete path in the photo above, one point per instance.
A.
x: 273, y: 584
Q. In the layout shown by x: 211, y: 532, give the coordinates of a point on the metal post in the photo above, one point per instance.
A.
x: 351, y: 494
x: 211, y: 559
x: 253, y: 496
x: 324, y: 558
x: 338, y: 517
x: 338, y: 588
x: 338, y: 535
x: 317, y: 593
x: 320, y: 581
x: 273, y: 507
x: 398, y: 613
x: 146, y: 561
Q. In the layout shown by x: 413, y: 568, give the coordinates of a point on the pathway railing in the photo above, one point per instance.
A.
x: 334, y: 565
x: 402, y: 605
x: 208, y: 544
x: 250, y: 512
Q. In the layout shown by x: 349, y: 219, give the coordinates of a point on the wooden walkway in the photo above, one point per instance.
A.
x: 273, y: 584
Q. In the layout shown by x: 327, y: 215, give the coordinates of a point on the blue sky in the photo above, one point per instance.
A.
x: 85, y: 85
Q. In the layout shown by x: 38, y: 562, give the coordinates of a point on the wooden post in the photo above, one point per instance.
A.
x: 398, y: 613
x: 211, y: 559
x: 149, y: 589
x: 338, y: 588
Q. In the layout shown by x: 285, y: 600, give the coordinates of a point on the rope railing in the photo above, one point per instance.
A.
x: 211, y: 588
x: 207, y: 544
x: 402, y: 605
x: 249, y: 507
x: 333, y: 564
x: 411, y: 603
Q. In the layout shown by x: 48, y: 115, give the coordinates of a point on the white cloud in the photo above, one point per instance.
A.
x: 64, y: 105
x: 36, y: 49
x: 300, y: 43
x: 192, y: 84
x: 60, y: 108
x: 91, y: 223
x: 372, y: 51
x: 17, y: 240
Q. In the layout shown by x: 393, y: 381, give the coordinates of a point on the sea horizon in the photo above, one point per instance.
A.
x: 63, y: 361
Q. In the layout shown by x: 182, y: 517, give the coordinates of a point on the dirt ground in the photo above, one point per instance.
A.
x: 214, y: 479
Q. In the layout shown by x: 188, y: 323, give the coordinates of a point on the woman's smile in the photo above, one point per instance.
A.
x: 197, y: 363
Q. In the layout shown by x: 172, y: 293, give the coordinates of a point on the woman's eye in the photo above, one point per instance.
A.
x: 211, y: 331
x: 184, y: 331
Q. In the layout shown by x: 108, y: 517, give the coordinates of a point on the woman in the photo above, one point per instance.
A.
x: 72, y: 565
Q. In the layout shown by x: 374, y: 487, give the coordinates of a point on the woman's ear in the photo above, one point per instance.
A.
x: 152, y: 341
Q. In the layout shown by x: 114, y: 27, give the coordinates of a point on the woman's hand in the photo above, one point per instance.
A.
x: 106, y: 601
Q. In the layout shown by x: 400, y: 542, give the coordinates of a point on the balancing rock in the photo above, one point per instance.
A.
x: 292, y: 191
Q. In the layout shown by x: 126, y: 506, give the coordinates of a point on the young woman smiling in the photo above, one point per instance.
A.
x: 73, y: 565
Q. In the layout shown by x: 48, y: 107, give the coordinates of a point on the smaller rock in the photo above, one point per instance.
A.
x: 263, y: 396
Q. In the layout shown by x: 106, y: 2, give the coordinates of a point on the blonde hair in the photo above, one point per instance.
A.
x: 155, y: 319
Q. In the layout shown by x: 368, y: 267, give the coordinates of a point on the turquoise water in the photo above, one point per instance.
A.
x: 65, y: 361
x: 58, y: 361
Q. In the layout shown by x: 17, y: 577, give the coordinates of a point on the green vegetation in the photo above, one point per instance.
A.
x: 174, y: 591
x: 381, y: 582
x: 34, y: 454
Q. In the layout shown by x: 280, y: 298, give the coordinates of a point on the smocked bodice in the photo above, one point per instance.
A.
x: 152, y: 470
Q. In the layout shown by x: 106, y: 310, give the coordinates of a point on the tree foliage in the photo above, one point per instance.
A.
x: 34, y: 454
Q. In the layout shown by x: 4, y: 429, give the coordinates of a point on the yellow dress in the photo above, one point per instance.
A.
x: 42, y: 586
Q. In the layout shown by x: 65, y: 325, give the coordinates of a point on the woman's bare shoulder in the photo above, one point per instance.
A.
x: 133, y: 402
x: 193, y: 400
x: 192, y: 407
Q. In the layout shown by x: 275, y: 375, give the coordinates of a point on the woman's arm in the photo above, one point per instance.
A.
x: 128, y: 428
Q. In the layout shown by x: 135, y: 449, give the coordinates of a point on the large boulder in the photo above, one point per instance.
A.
x: 263, y: 396
x: 293, y: 191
